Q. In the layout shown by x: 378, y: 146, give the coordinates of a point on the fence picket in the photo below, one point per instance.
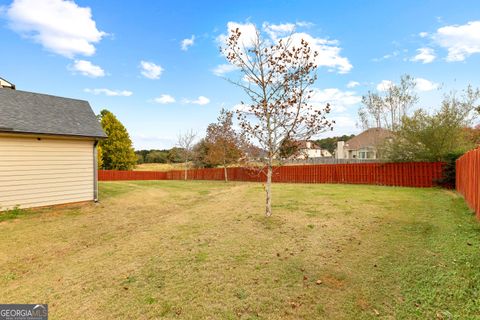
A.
x: 468, y: 179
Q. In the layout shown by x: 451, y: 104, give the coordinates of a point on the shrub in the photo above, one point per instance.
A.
x: 449, y: 170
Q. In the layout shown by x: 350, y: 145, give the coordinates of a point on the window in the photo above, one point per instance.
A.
x: 366, y: 154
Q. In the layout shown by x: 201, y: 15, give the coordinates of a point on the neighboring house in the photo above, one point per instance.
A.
x: 47, y: 150
x: 363, y: 146
x: 254, y: 153
x: 5, y: 84
x: 309, y: 150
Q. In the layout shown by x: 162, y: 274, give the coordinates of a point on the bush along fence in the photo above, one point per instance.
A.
x: 408, y: 174
x: 468, y: 179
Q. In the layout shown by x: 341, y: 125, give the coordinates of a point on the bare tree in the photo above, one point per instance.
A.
x: 277, y: 77
x: 387, y: 110
x: 372, y: 111
x: 185, y: 143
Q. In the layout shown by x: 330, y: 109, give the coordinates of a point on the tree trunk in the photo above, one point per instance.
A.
x: 225, y: 173
x: 268, y: 190
x: 185, y: 177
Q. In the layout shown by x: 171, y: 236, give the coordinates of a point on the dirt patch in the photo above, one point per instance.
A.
x: 362, y: 303
x: 333, y: 282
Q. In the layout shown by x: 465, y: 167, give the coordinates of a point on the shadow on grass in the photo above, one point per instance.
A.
x: 270, y: 223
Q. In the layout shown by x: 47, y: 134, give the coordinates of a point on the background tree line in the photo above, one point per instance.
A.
x: 222, y: 146
x: 330, y: 144
x: 172, y: 155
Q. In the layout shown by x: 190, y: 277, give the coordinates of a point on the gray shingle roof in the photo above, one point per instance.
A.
x: 368, y: 138
x: 28, y: 112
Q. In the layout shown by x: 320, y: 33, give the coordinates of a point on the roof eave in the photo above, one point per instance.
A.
x: 54, y: 134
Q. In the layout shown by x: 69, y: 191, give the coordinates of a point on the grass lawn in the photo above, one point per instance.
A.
x: 203, y: 250
x: 160, y: 166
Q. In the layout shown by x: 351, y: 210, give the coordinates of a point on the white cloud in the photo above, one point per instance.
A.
x: 87, y: 68
x: 421, y: 85
x: 353, y: 84
x: 425, y: 85
x: 387, y: 56
x: 61, y: 27
x: 186, y: 43
x: 278, y: 30
x: 328, y: 52
x: 344, y: 124
x: 247, y: 37
x: 305, y: 24
x: 150, y: 70
x: 384, y: 85
x: 144, y: 141
x: 424, y: 55
x: 222, y: 69
x: 110, y: 93
x: 241, y: 108
x: 164, y: 99
x: 201, y: 100
x: 423, y: 34
x: 275, y: 31
x: 461, y: 41
x: 339, y: 100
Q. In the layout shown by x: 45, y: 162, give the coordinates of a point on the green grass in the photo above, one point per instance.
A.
x: 196, y: 250
x: 13, y: 213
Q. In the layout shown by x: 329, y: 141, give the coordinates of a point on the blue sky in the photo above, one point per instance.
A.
x: 128, y: 56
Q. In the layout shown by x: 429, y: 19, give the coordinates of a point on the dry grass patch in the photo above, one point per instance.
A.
x: 160, y: 166
x: 203, y: 250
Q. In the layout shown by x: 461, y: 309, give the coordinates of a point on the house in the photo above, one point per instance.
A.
x: 309, y: 150
x: 5, y: 84
x: 47, y: 149
x: 363, y: 146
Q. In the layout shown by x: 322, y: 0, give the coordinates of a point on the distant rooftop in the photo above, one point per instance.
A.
x: 368, y: 138
x: 6, y: 84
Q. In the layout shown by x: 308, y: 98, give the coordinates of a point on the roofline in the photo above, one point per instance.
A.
x: 365, y: 131
x: 53, y: 134
x: 51, y: 95
x: 5, y: 80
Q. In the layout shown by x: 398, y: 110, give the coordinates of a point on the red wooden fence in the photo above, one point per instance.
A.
x: 408, y: 174
x: 468, y: 179
x: 112, y: 175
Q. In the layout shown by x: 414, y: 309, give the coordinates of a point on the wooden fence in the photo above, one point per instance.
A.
x: 468, y: 179
x: 113, y: 175
x: 408, y: 174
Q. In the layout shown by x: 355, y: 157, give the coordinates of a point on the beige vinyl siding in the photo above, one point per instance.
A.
x: 45, y: 172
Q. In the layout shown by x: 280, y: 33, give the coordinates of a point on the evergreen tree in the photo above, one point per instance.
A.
x: 99, y: 157
x: 117, y: 150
